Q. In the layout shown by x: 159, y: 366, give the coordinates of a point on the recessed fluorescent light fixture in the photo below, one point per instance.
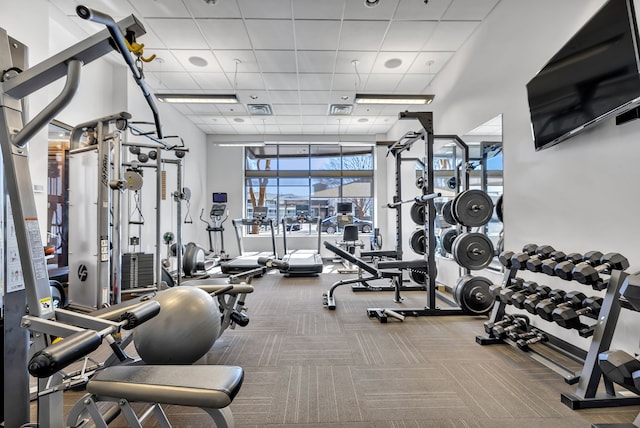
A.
x: 393, y: 99
x: 197, y: 98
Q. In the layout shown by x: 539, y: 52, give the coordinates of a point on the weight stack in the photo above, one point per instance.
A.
x: 137, y: 270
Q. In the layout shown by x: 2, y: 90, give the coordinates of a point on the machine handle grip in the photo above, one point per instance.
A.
x: 273, y: 263
x: 139, y: 314
x: 56, y: 357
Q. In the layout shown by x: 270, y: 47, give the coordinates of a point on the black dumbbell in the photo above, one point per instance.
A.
x: 569, y: 317
x: 522, y: 336
x: 519, y: 260
x: 504, y: 295
x: 564, y: 269
x: 588, y: 274
x: 532, y: 301
x: 528, y: 287
x: 524, y: 344
x: 505, y: 258
x: 539, y: 292
x: 620, y: 368
x: 521, y: 322
x: 495, y: 289
x: 545, y: 308
x: 549, y: 265
x: 534, y: 264
x: 506, y: 319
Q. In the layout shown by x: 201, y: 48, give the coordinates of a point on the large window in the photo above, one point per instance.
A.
x: 285, y: 177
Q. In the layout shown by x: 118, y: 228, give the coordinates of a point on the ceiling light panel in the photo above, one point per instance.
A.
x: 178, y: 33
x: 317, y: 35
x: 270, y: 34
x: 358, y: 34
x: 196, y: 98
x: 225, y: 33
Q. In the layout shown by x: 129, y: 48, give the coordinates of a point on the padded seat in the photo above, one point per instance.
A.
x: 203, y: 386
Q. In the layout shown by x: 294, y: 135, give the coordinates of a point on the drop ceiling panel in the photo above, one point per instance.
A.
x: 276, y: 61
x: 165, y: 61
x: 314, y: 9
x: 314, y: 97
x: 203, y: 109
x: 424, y: 64
x: 468, y: 10
x: 284, y: 97
x: 317, y: 35
x: 414, y: 83
x: 390, y: 59
x: 243, y: 128
x: 379, y: 129
x: 212, y: 81
x: 178, y: 33
x: 314, y: 120
x: 199, y: 119
x: 279, y: 9
x: 222, y: 129
x: 269, y: 129
x: 419, y: 11
x: 225, y: 33
x: 177, y: 80
x: 158, y: 9
x: 253, y: 96
x: 386, y: 120
x: 185, y: 57
x: 316, y: 61
x: 232, y: 110
x: 227, y: 60
x: 222, y: 9
x: 246, y: 81
x: 151, y: 40
x: 344, y: 61
x: 281, y: 81
x: 291, y: 129
x: 270, y: 34
x: 314, y: 82
x: 367, y: 110
x: 286, y: 109
x: 288, y: 120
x: 313, y: 109
x: 362, y: 35
x: 408, y: 35
x: 186, y: 110
x: 385, y: 83
x: 357, y: 10
x: 314, y: 129
x: 449, y: 36
x: 348, y: 82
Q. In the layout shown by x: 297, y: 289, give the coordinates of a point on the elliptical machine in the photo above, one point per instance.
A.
x: 218, y: 215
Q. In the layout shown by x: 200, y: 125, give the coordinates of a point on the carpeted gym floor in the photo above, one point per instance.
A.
x: 306, y: 366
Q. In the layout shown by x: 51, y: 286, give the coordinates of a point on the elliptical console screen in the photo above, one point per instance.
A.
x: 219, y: 198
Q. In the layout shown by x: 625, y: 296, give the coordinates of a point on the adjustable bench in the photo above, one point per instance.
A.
x: 211, y: 388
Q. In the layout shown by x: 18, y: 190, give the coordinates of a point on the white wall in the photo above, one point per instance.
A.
x: 576, y: 196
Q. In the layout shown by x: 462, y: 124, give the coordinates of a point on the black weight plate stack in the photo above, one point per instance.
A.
x: 417, y: 242
x: 473, y: 295
x: 418, y: 213
x: 473, y: 250
x: 418, y: 277
x: 499, y: 209
x: 447, y: 214
x: 472, y: 208
x: 447, y: 237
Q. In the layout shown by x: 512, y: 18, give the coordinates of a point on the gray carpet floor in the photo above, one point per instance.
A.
x: 307, y: 366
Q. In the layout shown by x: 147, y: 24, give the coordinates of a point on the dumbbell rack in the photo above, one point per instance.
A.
x: 601, y: 333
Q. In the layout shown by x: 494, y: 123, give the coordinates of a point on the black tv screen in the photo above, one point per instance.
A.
x: 219, y: 198
x: 345, y: 207
x: 594, y: 76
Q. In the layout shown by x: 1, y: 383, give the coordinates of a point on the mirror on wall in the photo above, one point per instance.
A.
x: 485, y: 159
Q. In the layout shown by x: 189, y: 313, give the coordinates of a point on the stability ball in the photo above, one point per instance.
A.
x: 185, y: 329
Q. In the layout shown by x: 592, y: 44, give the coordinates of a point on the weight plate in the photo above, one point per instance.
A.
x: 473, y: 295
x: 418, y: 277
x: 452, y: 183
x: 473, y: 250
x: 499, y: 209
x: 417, y: 242
x: 447, y: 237
x: 447, y: 214
x: 472, y: 208
x: 418, y: 213
x: 421, y: 183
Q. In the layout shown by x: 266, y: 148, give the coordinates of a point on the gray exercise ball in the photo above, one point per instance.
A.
x: 185, y: 329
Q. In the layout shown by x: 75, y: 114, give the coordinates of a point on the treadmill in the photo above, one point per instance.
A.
x: 301, y: 262
x: 249, y: 260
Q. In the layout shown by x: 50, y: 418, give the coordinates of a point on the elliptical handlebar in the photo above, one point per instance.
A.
x: 102, y: 18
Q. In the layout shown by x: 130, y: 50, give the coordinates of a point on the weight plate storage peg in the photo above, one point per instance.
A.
x: 418, y: 213
x: 472, y: 208
x: 417, y: 242
x: 472, y: 294
x: 447, y: 214
x: 447, y: 237
x: 473, y: 250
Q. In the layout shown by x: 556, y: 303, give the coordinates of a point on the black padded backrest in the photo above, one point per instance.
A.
x: 353, y: 259
x: 350, y: 233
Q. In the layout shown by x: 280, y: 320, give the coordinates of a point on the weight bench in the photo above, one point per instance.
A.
x: 211, y: 388
x: 391, y: 269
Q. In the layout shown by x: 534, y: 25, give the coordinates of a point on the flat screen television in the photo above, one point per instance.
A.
x: 593, y: 77
x: 344, y: 207
x: 219, y: 198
